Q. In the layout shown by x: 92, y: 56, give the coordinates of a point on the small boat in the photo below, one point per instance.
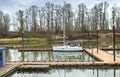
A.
x: 71, y: 47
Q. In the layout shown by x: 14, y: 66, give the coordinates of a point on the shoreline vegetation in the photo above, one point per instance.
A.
x: 38, y: 40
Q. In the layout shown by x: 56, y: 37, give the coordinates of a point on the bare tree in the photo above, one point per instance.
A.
x: 27, y: 20
x: 58, y: 19
x: 81, y: 16
x: 1, y: 22
x: 20, y: 18
x: 34, y: 11
x: 105, y: 17
x: 6, y: 23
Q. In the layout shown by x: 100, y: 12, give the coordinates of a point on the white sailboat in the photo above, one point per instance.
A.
x: 71, y: 47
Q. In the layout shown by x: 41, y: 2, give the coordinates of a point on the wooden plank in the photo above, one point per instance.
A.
x: 34, y: 66
x: 7, y: 69
x: 67, y: 63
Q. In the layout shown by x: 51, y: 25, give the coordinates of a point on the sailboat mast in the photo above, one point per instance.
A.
x: 64, y: 43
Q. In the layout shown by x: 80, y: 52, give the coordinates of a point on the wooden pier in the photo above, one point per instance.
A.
x: 69, y: 64
x: 102, y: 55
x: 34, y: 66
x: 35, y: 49
x: 109, y: 49
x: 50, y: 49
x: 8, y: 69
x: 106, y: 59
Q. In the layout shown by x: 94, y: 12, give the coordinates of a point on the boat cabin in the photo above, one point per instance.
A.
x: 73, y: 44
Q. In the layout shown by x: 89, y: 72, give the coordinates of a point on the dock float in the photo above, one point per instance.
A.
x: 35, y: 49
x: 34, y: 66
x: 69, y: 64
x: 109, y: 49
x: 8, y: 69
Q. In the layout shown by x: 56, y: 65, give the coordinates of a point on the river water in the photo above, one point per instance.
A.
x: 15, y: 55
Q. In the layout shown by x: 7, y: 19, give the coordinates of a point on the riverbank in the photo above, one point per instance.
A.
x: 104, y: 41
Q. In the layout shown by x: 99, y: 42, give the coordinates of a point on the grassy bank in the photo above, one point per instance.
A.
x: 41, y: 41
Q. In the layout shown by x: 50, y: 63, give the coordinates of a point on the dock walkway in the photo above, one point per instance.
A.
x: 7, y: 69
x: 102, y: 55
x: 106, y: 59
x: 35, y: 66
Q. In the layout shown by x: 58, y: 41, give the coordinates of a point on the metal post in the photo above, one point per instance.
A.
x: 88, y: 40
x: 92, y: 55
x: 114, y: 42
x: 23, y: 45
x: 97, y: 41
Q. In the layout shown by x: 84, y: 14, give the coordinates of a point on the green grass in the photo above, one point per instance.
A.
x: 105, y: 40
x: 28, y: 42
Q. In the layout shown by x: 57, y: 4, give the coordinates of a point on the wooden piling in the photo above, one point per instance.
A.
x: 97, y: 41
x: 88, y: 39
x: 114, y: 43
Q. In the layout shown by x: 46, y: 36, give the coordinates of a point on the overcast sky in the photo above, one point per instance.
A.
x: 11, y: 6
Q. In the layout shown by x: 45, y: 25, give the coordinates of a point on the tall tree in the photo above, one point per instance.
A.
x: 34, y: 12
x: 6, y: 23
x: 68, y: 16
x: 20, y: 15
x: 81, y: 16
x: 105, y: 17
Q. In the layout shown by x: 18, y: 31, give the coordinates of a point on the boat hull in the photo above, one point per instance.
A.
x: 67, y: 49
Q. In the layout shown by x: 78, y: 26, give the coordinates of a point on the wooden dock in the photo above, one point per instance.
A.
x: 102, y: 55
x: 50, y: 49
x: 69, y: 64
x: 35, y: 49
x: 109, y: 49
x: 106, y: 59
x: 8, y: 69
x: 34, y: 66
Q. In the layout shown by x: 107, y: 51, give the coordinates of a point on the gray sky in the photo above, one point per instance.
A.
x: 11, y: 6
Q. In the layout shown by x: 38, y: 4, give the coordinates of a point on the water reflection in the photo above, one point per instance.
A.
x: 70, y: 72
x: 15, y: 55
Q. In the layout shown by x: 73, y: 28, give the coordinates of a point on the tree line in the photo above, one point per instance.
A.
x: 51, y: 18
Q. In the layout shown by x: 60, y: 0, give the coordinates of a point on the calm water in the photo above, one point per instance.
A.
x: 80, y: 72
x: 14, y: 55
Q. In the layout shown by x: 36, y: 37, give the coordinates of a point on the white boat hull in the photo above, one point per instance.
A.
x: 67, y: 49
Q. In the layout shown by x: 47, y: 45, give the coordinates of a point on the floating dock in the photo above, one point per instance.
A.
x: 102, y: 55
x: 69, y: 64
x: 8, y: 69
x: 106, y: 59
x: 34, y: 66
x: 50, y: 49
x: 35, y: 49
x: 109, y: 49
